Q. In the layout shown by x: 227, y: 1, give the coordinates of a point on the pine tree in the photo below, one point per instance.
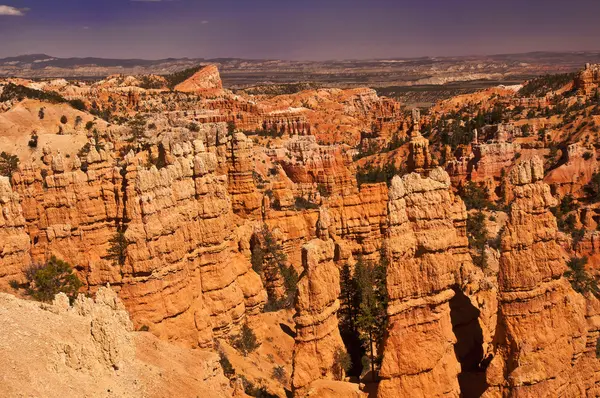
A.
x: 117, y: 251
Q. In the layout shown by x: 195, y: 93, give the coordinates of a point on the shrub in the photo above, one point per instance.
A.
x: 178, y: 77
x: 475, y: 196
x: 8, y: 164
x: 63, y: 119
x: 144, y: 328
x: 580, y: 280
x: 228, y: 369
x: 593, y: 188
x: 246, y: 342
x: 478, y: 236
x: 587, y: 155
x: 279, y: 374
x: 341, y: 363
x: 44, y: 281
x: 117, y: 251
x: 193, y: 127
x: 33, y: 141
x: 78, y: 104
x: 89, y: 125
x: 322, y: 189
x: 303, y: 204
x: 41, y: 114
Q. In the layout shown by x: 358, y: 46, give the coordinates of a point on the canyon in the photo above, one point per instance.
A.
x: 214, y: 234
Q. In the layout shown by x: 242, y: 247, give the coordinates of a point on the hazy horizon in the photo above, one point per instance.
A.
x: 308, y: 30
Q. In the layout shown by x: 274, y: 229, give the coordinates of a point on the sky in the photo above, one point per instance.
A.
x: 295, y: 29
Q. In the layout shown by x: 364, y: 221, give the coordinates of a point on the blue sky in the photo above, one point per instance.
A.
x: 300, y: 29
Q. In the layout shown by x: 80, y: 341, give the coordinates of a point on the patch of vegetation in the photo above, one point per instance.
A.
x: 303, y: 204
x: 44, y: 281
x: 117, y: 250
x: 566, y: 220
x: 341, y: 363
x: 18, y: 92
x: 228, y: 369
x: 475, y: 196
x: 9, y: 164
x: 254, y: 391
x: 179, y: 77
x: 270, y: 262
x: 370, y: 174
x: 542, y: 85
x: 363, y: 307
x: 581, y: 281
x: 246, y: 342
x: 323, y: 191
x: 593, y: 188
x: 478, y: 236
x: 193, y: 127
x: 63, y: 119
x: 279, y: 374
x: 33, y: 140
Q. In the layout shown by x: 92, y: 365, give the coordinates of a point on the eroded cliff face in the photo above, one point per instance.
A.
x: 429, y: 250
x: 186, y: 276
x: 14, y: 241
x: 543, y: 347
x: 317, y: 333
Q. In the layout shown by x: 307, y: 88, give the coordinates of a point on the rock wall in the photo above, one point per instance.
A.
x: 246, y: 200
x: 14, y: 241
x: 429, y: 250
x: 186, y: 276
x: 317, y: 333
x: 543, y: 347
x: 72, y: 214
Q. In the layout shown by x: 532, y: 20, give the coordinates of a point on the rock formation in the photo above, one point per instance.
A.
x: 542, y: 342
x: 429, y: 250
x: 89, y: 349
x: 14, y: 241
x: 587, y: 80
x: 206, y: 81
x: 317, y: 333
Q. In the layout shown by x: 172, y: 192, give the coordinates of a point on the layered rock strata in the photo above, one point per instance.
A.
x: 429, y: 250
x: 543, y: 347
x: 317, y: 333
x: 14, y: 241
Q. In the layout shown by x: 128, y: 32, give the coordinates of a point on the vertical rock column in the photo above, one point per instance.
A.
x: 318, y: 336
x: 14, y: 241
x: 428, y: 248
x: 541, y: 333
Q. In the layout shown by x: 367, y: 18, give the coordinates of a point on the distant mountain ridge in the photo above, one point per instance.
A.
x: 245, y: 73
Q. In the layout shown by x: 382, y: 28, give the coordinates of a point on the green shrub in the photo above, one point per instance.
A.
x: 117, y: 250
x: 194, y: 127
x: 303, y: 204
x: 228, y: 369
x: 580, y: 280
x: 246, y: 342
x: 341, y: 363
x: 8, y: 164
x: 44, y: 281
x: 478, y: 236
x: 475, y: 196
x: 63, y: 119
x: 279, y: 374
